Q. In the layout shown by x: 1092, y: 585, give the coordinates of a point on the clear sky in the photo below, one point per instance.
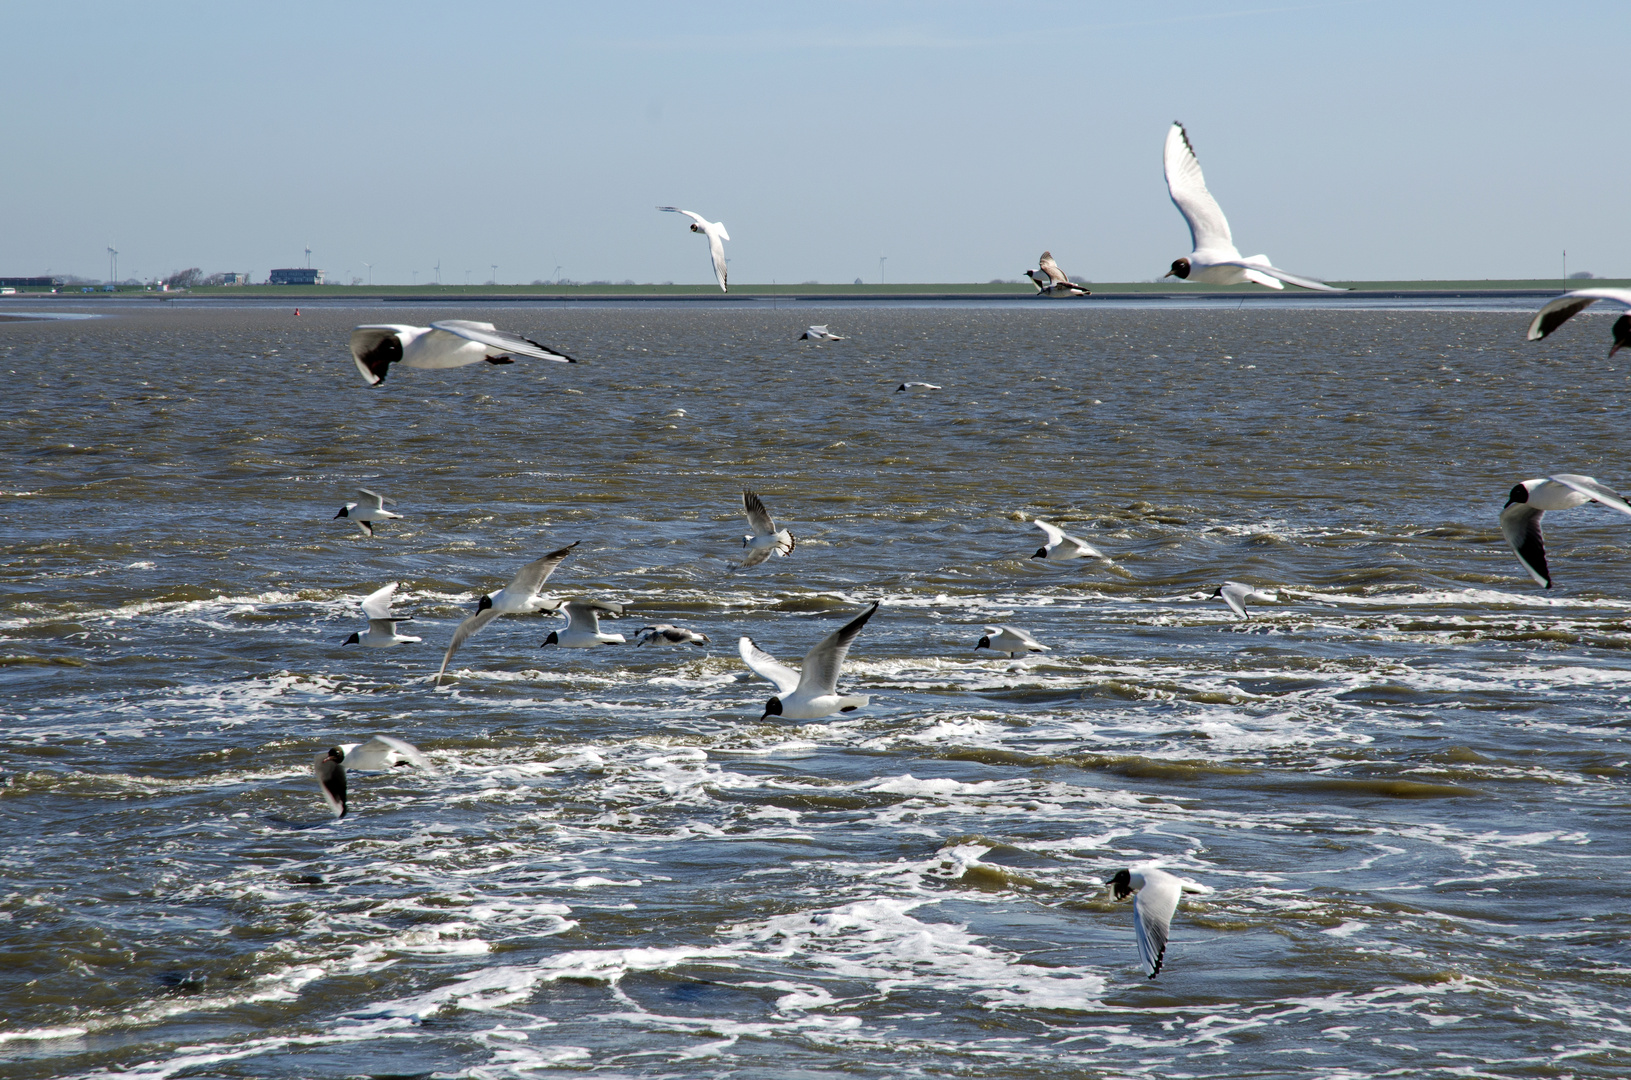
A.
x: 1370, y: 140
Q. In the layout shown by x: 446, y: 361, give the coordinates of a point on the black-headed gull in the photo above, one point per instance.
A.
x: 812, y: 692
x: 819, y: 333
x: 1215, y: 259
x: 519, y: 597
x: 765, y: 538
x: 1155, y: 896
x: 916, y: 386
x: 1238, y: 595
x: 716, y: 234
x: 449, y: 343
x: 382, y: 753
x: 1061, y: 545
x: 381, y: 632
x: 582, y: 630
x: 330, y: 775
x: 370, y: 510
x: 1520, y: 518
x: 1011, y: 641
x: 664, y: 634
x: 1565, y: 307
x: 1052, y: 281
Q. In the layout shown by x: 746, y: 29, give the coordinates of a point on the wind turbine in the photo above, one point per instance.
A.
x: 308, y: 256
x: 557, y: 274
x: 113, y: 265
x: 495, y: 273
x: 438, y: 269
x: 370, y: 267
x: 881, y: 259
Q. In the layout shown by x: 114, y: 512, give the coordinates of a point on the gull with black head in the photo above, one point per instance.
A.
x: 1567, y: 306
x: 519, y: 597
x: 582, y: 630
x: 765, y: 539
x: 1155, y: 896
x: 449, y: 343
x: 716, y: 234
x: 810, y: 693
x: 1528, y: 501
x: 370, y: 510
x: 381, y: 632
x: 1062, y: 546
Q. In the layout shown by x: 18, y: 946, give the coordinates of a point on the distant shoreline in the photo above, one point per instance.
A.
x: 819, y: 293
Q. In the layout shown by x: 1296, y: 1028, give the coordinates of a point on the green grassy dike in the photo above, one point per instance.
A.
x: 936, y: 290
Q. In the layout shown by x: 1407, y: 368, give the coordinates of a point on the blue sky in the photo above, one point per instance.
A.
x: 1351, y: 140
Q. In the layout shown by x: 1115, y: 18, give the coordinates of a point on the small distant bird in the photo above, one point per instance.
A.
x: 1052, y: 281
x: 765, y: 537
x: 1215, y: 259
x: 370, y: 510
x: 1011, y: 641
x: 1520, y: 518
x: 664, y: 634
x: 382, y: 753
x: 381, y: 632
x: 819, y: 333
x: 519, y: 597
x: 449, y: 343
x: 812, y: 692
x: 1237, y: 596
x: 583, y: 625
x: 916, y: 386
x: 1155, y: 896
x: 1061, y: 545
x: 331, y: 778
x: 1565, y: 307
x: 715, y: 232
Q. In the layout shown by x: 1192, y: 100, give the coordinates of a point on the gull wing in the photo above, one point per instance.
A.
x: 585, y: 614
x: 531, y: 577
x: 1153, y: 906
x: 1520, y: 524
x: 386, y: 626
x: 1564, y: 308
x: 758, y: 516
x: 377, y: 604
x: 503, y: 340
x: 375, y: 755
x: 1233, y: 593
x: 378, y: 500
x: 767, y: 667
x: 716, y: 249
x: 1051, y: 268
x: 1590, y: 488
x: 374, y: 349
x: 698, y: 218
x: 462, y: 634
x: 754, y: 557
x: 333, y: 785
x: 1055, y: 533
x: 821, y: 664
x: 1208, y: 228
x: 1276, y: 274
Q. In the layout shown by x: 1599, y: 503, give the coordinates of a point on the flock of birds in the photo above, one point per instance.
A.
x: 811, y: 691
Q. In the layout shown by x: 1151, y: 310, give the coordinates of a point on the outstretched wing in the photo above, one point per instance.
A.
x: 716, y: 249
x: 377, y: 499
x: 1054, y: 533
x: 1208, y: 228
x: 374, y: 349
x: 377, y: 604
x: 1520, y: 524
x: 1591, y: 489
x: 767, y: 667
x: 531, y: 577
x: 1558, y: 311
x: 822, y: 663
x: 698, y: 218
x: 1233, y: 594
x: 513, y: 344
x: 1051, y: 268
x: 1153, y: 906
x: 758, y: 517
x: 462, y: 634
x: 1276, y: 274
x: 375, y: 754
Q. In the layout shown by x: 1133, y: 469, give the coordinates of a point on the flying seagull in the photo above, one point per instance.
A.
x: 583, y: 625
x: 1155, y: 896
x: 1520, y: 518
x: 447, y: 344
x: 664, y: 634
x: 916, y: 386
x: 716, y: 234
x: 810, y: 693
x: 1061, y: 545
x: 382, y: 753
x: 1011, y: 641
x: 1215, y: 259
x: 819, y: 333
x: 765, y: 538
x: 381, y: 632
x: 370, y: 510
x: 330, y: 775
x: 1237, y: 595
x: 520, y: 596
x: 1565, y: 307
x: 1052, y: 281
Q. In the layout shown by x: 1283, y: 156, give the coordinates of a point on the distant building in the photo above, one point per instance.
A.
x: 299, y: 275
x: 236, y: 279
x: 33, y: 282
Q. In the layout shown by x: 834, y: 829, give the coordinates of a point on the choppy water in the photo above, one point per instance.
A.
x: 1407, y: 781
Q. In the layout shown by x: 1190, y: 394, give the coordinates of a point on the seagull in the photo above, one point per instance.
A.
x: 765, y: 537
x: 367, y: 512
x: 1052, y: 281
x: 1237, y: 595
x: 447, y: 344
x: 664, y: 634
x: 519, y: 597
x: 1215, y: 259
x: 809, y: 694
x: 1565, y: 307
x: 1155, y: 896
x: 1520, y: 518
x: 1061, y: 545
x: 715, y: 232
x: 916, y: 386
x: 331, y: 778
x: 1013, y: 642
x: 382, y: 753
x: 583, y: 625
x: 819, y: 333
x: 381, y: 632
